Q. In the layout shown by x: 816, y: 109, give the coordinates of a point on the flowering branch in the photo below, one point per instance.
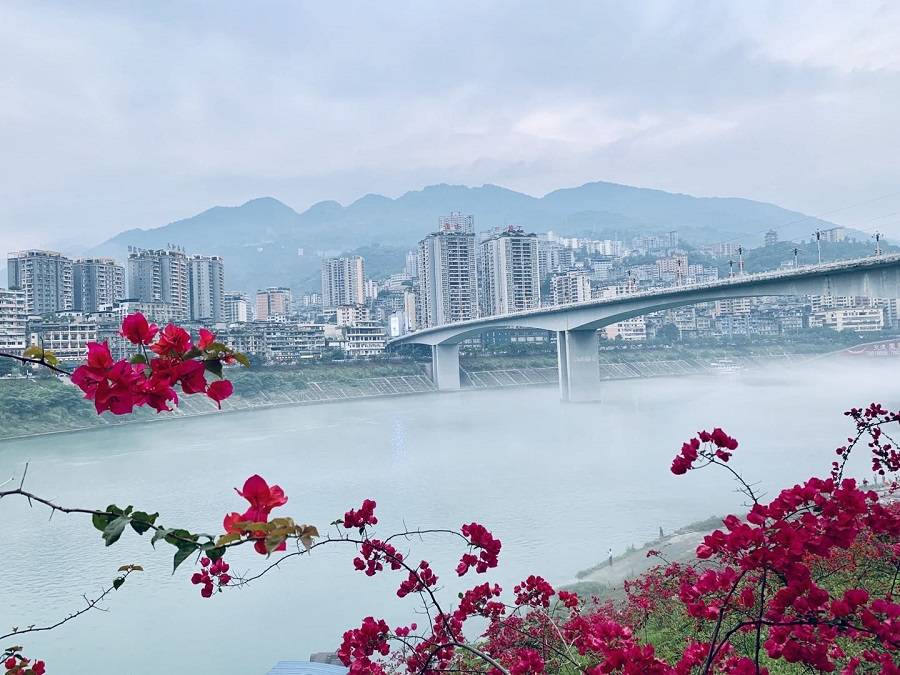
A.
x: 90, y: 603
x: 39, y: 361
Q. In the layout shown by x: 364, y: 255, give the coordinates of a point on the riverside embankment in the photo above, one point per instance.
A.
x: 49, y: 406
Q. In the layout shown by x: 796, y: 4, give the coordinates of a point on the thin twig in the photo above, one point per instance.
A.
x: 37, y: 362
x: 90, y: 603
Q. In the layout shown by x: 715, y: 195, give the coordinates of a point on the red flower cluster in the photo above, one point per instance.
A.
x: 478, y: 602
x: 764, y: 592
x: 885, y: 456
x: 120, y: 386
x: 361, y: 643
x: 418, y: 580
x: 528, y: 662
x: 568, y: 599
x: 717, y: 446
x: 362, y: 517
x: 404, y: 631
x: 534, y: 591
x: 212, y: 574
x: 480, y: 538
x: 373, y: 553
x: 16, y: 665
x: 614, y: 648
x: 137, y: 330
x: 263, y: 499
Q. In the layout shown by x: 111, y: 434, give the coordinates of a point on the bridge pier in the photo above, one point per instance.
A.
x: 445, y: 366
x: 579, y: 367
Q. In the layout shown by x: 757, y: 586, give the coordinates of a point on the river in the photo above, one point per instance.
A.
x: 558, y: 484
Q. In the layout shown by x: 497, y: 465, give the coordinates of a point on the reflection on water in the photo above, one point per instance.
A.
x: 559, y: 484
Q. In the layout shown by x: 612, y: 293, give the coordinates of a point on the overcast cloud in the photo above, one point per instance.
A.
x: 117, y: 115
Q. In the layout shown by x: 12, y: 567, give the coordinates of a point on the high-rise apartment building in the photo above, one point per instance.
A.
x: 508, y: 272
x: 97, y: 283
x: 447, y: 273
x: 12, y: 320
x: 343, y: 281
x: 206, y: 278
x: 411, y: 268
x: 237, y: 307
x: 273, y: 303
x: 45, y: 277
x: 568, y: 287
x: 160, y: 276
x: 549, y: 257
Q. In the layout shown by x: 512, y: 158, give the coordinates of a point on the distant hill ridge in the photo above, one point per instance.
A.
x: 261, y: 239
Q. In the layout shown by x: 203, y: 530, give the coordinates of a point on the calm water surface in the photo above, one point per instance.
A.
x: 559, y: 484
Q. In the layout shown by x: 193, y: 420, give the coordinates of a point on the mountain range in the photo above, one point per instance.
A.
x: 265, y: 242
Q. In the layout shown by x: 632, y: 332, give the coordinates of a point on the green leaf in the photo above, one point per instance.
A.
x: 214, y: 553
x: 33, y: 352
x: 177, y: 537
x: 102, y: 520
x: 114, y: 530
x: 141, y: 521
x: 181, y: 555
x: 214, y: 366
x: 161, y: 533
x: 243, y: 359
x: 138, y: 358
x: 217, y: 347
x: 50, y: 357
x: 228, y: 538
x: 117, y: 582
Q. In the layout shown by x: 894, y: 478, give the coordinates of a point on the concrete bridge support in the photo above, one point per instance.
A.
x: 579, y: 368
x: 445, y: 366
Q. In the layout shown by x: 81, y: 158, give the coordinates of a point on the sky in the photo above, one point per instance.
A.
x: 129, y: 114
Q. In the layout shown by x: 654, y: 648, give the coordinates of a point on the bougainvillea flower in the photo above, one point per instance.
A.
x: 165, y: 370
x: 117, y: 398
x: 157, y: 393
x: 173, y: 341
x: 109, y: 384
x: 219, y: 390
x: 99, y: 361
x: 190, y: 374
x: 206, y: 339
x: 99, y: 356
x: 137, y: 330
x: 261, y: 496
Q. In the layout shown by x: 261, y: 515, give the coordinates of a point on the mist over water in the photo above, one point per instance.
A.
x: 558, y: 484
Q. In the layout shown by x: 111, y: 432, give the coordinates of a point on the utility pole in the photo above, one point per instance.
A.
x: 877, y: 242
x: 796, y: 251
x: 731, y: 268
x: 741, y: 260
x: 819, y: 244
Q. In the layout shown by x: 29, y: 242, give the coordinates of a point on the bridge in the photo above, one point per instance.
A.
x: 576, y: 324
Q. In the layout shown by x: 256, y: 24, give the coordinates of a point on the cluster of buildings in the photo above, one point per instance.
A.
x: 454, y: 274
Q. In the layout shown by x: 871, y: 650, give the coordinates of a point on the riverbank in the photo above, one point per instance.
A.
x: 605, y: 579
x: 42, y: 406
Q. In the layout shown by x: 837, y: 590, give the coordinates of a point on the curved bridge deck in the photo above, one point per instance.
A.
x: 576, y: 324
